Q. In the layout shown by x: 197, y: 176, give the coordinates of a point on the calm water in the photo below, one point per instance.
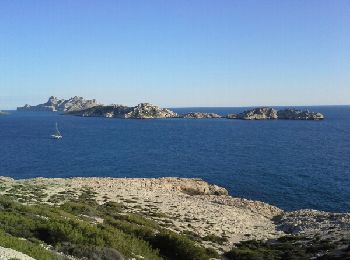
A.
x: 291, y: 164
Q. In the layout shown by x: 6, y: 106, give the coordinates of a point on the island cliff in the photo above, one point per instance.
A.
x: 62, y: 105
x: 141, y: 111
x: 265, y: 113
x: 199, y: 115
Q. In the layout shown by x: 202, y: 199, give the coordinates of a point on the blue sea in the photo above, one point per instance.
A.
x: 290, y: 164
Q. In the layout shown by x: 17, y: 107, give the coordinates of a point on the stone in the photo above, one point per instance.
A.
x: 54, y: 104
x: 147, y: 111
x: 141, y: 111
x: 258, y: 114
x: 295, y: 114
x: 200, y: 115
x: 232, y: 116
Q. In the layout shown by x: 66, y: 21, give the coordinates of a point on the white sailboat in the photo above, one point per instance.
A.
x: 57, y: 134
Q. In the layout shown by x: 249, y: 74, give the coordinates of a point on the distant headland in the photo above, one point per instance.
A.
x: 91, y: 108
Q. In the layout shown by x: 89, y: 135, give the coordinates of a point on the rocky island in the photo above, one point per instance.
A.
x: 199, y: 115
x: 90, y: 108
x: 264, y: 113
x: 159, y: 218
x: 61, y: 105
x: 141, y: 111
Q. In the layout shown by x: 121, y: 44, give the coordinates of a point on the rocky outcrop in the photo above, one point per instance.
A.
x: 294, y: 114
x: 141, y: 111
x: 232, y: 116
x: 62, y: 105
x: 258, y: 114
x: 314, y: 222
x: 90, y: 108
x: 263, y: 113
x: 146, y: 111
x: 116, y: 111
x: 207, y: 208
x: 199, y: 115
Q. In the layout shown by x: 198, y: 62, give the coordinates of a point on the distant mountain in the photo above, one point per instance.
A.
x: 63, y: 105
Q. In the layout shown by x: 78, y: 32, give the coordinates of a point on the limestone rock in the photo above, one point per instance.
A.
x: 146, y: 111
x: 110, y: 111
x: 232, y: 116
x: 62, y: 105
x: 314, y: 222
x: 258, y: 114
x: 200, y: 115
x: 295, y: 114
x: 270, y: 113
x: 141, y: 111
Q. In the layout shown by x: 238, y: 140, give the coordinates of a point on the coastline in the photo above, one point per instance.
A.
x: 187, y: 206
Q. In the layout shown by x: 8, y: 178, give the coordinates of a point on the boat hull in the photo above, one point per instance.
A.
x: 56, y: 136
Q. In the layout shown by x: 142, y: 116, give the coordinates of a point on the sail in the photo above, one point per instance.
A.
x: 57, y: 131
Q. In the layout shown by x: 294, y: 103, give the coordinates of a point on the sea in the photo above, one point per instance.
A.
x: 289, y: 164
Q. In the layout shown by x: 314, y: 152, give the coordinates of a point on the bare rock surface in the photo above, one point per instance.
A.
x: 313, y: 222
x: 232, y: 116
x: 258, y: 114
x: 8, y: 253
x: 295, y: 114
x: 263, y: 113
x: 62, y: 105
x: 146, y: 110
x: 90, y: 108
x: 141, y: 111
x: 199, y: 115
x: 182, y: 204
x: 194, y: 206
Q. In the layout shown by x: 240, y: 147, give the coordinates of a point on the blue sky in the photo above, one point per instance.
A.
x: 176, y: 53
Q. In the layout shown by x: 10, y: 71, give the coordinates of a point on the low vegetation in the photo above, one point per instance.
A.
x: 291, y: 248
x: 86, y: 230
x: 72, y: 223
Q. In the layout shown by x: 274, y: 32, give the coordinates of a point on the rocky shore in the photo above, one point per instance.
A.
x: 190, y: 206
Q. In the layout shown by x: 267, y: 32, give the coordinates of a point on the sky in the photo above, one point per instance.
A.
x: 176, y: 53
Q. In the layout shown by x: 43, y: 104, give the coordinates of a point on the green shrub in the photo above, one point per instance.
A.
x: 65, y: 228
x: 215, y: 239
x: 174, y: 246
x: 26, y: 247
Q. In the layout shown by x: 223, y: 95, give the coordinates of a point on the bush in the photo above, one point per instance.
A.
x: 121, y: 233
x: 26, y: 247
x: 174, y: 246
x: 215, y: 239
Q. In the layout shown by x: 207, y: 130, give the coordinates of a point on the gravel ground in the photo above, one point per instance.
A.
x: 8, y: 253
